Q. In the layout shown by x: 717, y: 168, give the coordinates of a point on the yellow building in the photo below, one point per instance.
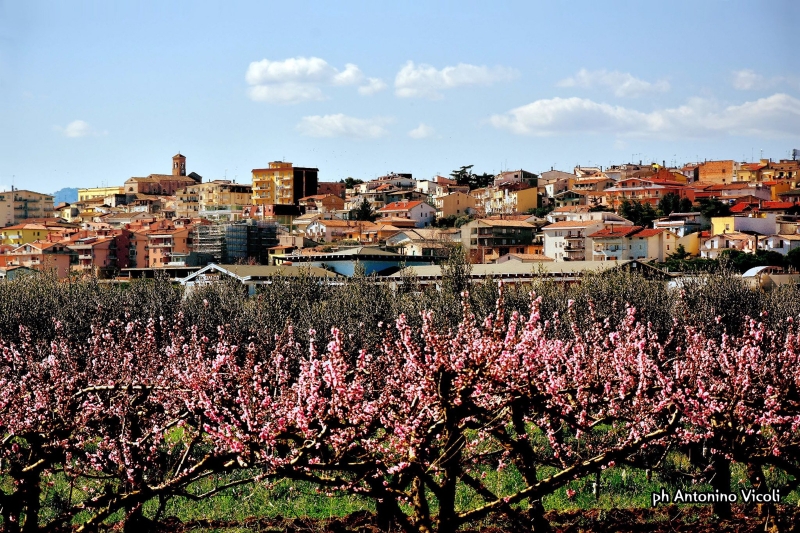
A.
x: 455, y: 204
x: 217, y: 195
x: 26, y: 233
x: 283, y: 184
x: 273, y: 185
x: 98, y: 192
x: 720, y: 225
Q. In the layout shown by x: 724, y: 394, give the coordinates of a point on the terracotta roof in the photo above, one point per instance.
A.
x: 648, y: 232
x: 531, y: 257
x: 400, y: 206
x: 777, y: 205
x: 741, y: 207
x: 572, y: 224
x: 572, y: 209
x: 618, y: 231
x: 505, y: 222
x: 346, y: 223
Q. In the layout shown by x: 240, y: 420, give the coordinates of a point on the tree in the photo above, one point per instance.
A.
x: 679, y: 254
x: 465, y: 176
x: 669, y: 203
x: 793, y: 258
x: 711, y: 207
x: 349, y: 183
x: 365, y: 211
x: 638, y: 213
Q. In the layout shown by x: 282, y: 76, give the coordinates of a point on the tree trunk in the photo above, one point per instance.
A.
x: 721, y: 481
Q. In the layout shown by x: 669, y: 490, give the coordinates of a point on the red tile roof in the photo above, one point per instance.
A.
x: 649, y: 232
x: 400, y: 206
x: 778, y: 205
x: 741, y: 207
x: 618, y: 231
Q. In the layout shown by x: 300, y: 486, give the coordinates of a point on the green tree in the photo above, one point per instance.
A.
x: 711, y: 207
x: 465, y: 176
x: 793, y: 258
x: 349, y: 183
x: 685, y: 206
x: 679, y: 254
x: 670, y: 203
x: 638, y: 213
x: 365, y: 211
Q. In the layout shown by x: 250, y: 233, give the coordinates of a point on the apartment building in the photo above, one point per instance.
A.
x: 30, y: 204
x: 282, y: 184
x: 488, y: 239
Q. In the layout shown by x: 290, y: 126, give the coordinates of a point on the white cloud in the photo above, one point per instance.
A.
x: 299, y: 79
x: 746, y: 79
x: 285, y: 93
x: 622, y: 84
x: 374, y: 85
x: 421, y: 132
x: 77, y: 128
x: 341, y: 125
x: 750, y: 80
x: 775, y: 116
x: 425, y: 81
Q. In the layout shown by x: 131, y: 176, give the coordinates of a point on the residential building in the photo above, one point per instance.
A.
x: 632, y: 242
x: 331, y: 187
x: 283, y: 184
x: 510, y: 177
x: 782, y: 244
x: 428, y: 242
x: 24, y: 233
x: 163, y: 244
x: 213, y: 198
x: 568, y: 240
x: 30, y: 204
x: 6, y: 208
x: 98, y: 192
x: 683, y: 224
x: 39, y: 255
x: 99, y: 256
x: 336, y: 230
x: 422, y: 213
x: 487, y: 239
x: 321, y: 203
x: 718, y: 171
x: 712, y: 247
x: 455, y: 204
x: 761, y: 223
x: 643, y: 191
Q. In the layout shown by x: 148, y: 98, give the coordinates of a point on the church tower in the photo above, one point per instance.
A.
x: 179, y: 165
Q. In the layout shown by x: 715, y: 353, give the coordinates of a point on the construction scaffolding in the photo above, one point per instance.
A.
x: 210, y: 240
x: 238, y: 242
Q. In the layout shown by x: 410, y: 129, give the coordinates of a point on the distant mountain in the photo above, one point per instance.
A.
x: 67, y: 194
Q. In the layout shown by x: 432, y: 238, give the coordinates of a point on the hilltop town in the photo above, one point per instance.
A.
x: 179, y: 223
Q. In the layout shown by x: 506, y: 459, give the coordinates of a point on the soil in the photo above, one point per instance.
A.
x: 668, y: 519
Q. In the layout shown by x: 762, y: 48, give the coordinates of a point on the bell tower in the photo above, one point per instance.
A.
x: 179, y: 165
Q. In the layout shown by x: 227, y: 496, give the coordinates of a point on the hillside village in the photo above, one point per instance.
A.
x: 179, y: 223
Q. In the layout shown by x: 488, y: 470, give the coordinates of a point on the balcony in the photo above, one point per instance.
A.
x: 85, y: 256
x: 569, y: 236
x: 161, y: 245
x: 575, y: 246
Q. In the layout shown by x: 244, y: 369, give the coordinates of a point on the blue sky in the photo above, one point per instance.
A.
x: 92, y: 93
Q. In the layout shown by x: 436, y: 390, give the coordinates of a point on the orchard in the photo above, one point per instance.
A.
x: 438, y: 409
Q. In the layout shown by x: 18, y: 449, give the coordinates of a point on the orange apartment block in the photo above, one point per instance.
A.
x: 162, y: 244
